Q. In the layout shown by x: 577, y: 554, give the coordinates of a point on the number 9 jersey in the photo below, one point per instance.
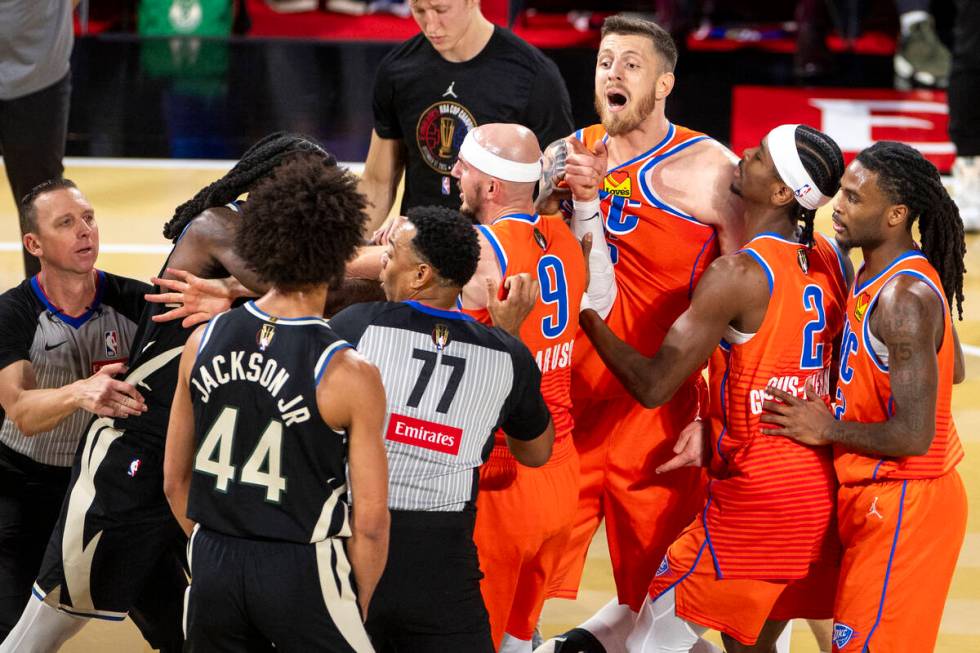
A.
x: 267, y: 466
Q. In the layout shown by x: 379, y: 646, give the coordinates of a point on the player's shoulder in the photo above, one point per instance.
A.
x: 506, y: 39
x: 911, y: 296
x: 406, y: 54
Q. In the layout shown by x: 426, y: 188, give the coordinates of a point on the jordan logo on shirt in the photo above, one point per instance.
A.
x: 873, y: 510
x: 450, y: 91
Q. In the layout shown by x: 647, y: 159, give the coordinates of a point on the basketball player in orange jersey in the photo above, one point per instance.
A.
x: 901, y: 504
x: 666, y: 206
x: 763, y: 546
x: 524, y: 515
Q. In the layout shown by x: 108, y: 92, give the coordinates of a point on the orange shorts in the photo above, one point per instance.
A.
x: 620, y: 444
x: 901, y: 540
x: 739, y: 607
x: 523, y: 520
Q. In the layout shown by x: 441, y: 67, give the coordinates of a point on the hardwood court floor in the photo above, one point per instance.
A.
x: 133, y: 201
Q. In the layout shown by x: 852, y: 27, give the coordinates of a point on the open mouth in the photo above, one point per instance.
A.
x: 84, y: 250
x: 616, y: 100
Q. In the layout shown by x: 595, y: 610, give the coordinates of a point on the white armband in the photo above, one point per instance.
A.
x: 587, y: 219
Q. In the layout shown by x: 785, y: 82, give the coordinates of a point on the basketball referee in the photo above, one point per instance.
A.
x: 64, y: 333
x: 451, y: 382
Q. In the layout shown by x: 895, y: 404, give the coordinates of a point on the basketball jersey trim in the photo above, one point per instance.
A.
x: 72, y: 321
x: 840, y: 256
x: 888, y: 569
x: 285, y: 321
x: 707, y: 535
x: 694, y: 566
x: 671, y: 130
x: 694, y: 268
x: 206, y: 335
x: 324, y: 360
x: 498, y: 248
x: 859, y: 287
x: 647, y: 191
x: 762, y: 263
x: 438, y: 312
x: 518, y: 217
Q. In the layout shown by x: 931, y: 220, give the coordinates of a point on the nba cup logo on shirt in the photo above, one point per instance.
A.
x: 440, y: 132
x: 861, y: 307
x: 803, y: 260
x: 540, y: 239
x: 618, y: 183
x: 111, y: 344
x: 265, y: 335
x: 440, y: 336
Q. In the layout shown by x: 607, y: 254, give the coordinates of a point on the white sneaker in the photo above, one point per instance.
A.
x: 966, y: 190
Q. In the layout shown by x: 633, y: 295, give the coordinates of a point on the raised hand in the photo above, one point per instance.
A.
x: 194, y: 299
x: 585, y: 169
x: 509, y: 313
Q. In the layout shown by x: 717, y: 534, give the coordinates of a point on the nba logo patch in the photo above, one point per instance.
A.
x: 664, y: 567
x: 842, y: 636
x: 446, y: 185
x: 111, y: 344
x: 803, y: 190
x: 618, y: 183
x: 134, y: 467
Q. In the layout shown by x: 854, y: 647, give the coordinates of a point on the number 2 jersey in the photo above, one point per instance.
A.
x: 266, y: 465
x: 771, y: 500
x: 451, y: 382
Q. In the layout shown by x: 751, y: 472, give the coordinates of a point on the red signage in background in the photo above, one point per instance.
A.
x: 855, y: 118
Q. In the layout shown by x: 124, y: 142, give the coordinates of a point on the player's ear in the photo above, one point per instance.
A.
x: 32, y: 244
x: 782, y: 195
x: 897, y: 214
x: 665, y: 84
x: 423, y: 276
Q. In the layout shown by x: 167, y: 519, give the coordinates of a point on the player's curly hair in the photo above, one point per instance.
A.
x: 823, y: 161
x: 255, y: 164
x: 302, y: 223
x: 446, y: 240
x: 909, y: 178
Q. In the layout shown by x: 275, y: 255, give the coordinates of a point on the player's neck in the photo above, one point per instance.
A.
x: 635, y: 142
x: 766, y: 219
x: 307, y: 302
x: 72, y: 293
x: 472, y: 42
x: 440, y: 297
x: 512, y: 208
x: 877, y: 258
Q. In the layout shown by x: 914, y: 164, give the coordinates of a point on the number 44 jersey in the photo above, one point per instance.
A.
x: 451, y: 382
x: 266, y: 464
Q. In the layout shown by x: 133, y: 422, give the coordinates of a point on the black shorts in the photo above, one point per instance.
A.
x: 31, y: 494
x: 428, y: 599
x: 250, y: 595
x: 117, y: 547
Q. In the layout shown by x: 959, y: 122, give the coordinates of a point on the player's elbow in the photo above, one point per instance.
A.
x: 371, y: 521
x: 25, y: 422
x: 536, y: 452
x: 918, y: 444
x: 649, y: 395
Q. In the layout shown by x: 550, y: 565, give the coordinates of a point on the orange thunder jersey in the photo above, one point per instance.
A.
x: 864, y: 387
x: 771, y: 500
x: 544, y: 247
x: 659, y: 253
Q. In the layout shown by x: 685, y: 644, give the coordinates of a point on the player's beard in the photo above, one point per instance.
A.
x: 623, y: 122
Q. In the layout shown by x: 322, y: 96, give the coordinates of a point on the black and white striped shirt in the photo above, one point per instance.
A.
x: 451, y: 382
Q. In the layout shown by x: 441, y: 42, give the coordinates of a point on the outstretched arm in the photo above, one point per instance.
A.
x: 717, y: 301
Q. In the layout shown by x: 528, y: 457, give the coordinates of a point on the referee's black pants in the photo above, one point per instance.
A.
x: 428, y: 599
x: 964, y: 81
x: 31, y: 494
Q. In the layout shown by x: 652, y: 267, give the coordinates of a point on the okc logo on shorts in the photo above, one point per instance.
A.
x: 664, y: 567
x: 842, y: 635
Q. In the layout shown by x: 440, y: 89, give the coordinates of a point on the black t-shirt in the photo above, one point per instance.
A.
x: 450, y: 382
x: 430, y: 104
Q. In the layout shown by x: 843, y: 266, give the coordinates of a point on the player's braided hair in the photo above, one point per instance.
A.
x: 909, y: 178
x: 824, y: 162
x: 255, y: 164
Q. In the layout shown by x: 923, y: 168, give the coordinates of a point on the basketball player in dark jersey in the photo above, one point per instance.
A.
x: 280, y: 410
x: 116, y: 541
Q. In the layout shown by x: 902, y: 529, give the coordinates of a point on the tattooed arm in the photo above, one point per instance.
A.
x: 552, y: 172
x: 909, y: 320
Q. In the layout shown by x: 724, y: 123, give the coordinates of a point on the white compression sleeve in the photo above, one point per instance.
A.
x: 658, y: 629
x: 41, y: 629
x: 587, y: 219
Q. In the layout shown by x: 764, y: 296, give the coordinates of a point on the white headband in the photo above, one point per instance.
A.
x: 496, y: 166
x: 782, y: 148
